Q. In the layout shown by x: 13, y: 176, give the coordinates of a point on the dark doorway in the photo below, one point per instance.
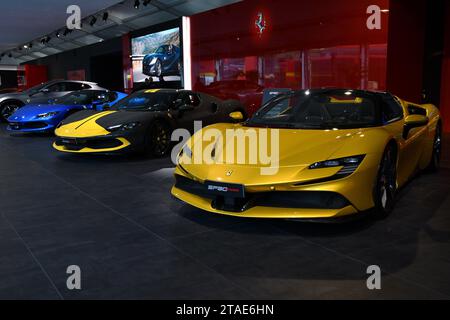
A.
x: 434, y: 51
x: 107, y: 71
x: 8, y: 79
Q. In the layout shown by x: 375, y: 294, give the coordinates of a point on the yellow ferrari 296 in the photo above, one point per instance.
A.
x: 341, y: 152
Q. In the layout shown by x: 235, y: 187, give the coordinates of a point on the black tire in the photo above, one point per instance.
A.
x: 437, y: 151
x: 7, y: 108
x: 158, y: 68
x: 157, y: 142
x: 386, y: 184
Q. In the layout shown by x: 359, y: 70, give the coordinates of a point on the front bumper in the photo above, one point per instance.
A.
x: 322, y: 200
x: 102, y: 144
x: 30, y: 126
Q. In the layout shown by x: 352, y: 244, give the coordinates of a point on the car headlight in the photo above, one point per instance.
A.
x: 123, y: 127
x: 47, y: 114
x: 348, y: 164
x: 153, y: 61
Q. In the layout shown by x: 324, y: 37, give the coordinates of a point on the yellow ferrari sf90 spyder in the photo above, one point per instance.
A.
x: 337, y: 152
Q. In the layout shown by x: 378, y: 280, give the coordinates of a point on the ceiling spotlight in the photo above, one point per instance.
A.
x: 105, y: 16
x: 137, y: 3
x: 30, y: 45
x: 146, y: 2
x: 93, y: 21
x: 57, y: 34
x: 25, y: 46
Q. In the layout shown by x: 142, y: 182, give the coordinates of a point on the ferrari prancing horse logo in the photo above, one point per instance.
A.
x: 260, y: 23
x: 229, y: 173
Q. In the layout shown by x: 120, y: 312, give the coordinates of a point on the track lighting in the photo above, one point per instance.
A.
x: 137, y: 3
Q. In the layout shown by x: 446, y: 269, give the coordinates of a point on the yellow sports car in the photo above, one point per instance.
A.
x: 335, y: 152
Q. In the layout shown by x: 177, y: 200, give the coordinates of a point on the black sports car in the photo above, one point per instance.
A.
x: 165, y: 61
x: 143, y: 121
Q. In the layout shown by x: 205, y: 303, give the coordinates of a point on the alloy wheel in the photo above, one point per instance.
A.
x: 386, y: 184
x: 158, y: 68
x: 437, y: 147
x: 160, y: 139
x: 8, y: 110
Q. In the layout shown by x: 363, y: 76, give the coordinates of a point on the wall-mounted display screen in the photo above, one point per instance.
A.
x: 157, y: 56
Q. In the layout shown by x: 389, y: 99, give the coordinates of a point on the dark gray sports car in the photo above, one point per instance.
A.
x: 143, y: 121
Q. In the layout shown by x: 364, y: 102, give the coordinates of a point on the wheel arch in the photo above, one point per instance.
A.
x: 19, y: 102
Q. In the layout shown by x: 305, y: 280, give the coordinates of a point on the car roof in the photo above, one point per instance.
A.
x: 356, y: 91
x: 167, y: 90
x: 63, y: 80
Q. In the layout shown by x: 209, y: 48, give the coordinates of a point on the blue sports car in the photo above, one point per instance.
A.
x: 165, y: 61
x: 45, y: 117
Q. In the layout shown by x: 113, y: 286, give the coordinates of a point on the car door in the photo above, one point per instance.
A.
x: 60, y: 89
x: 57, y: 90
x: 50, y: 92
x: 409, y: 147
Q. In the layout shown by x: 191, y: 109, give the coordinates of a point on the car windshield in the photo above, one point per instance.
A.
x: 161, y: 49
x: 146, y: 101
x: 75, y: 98
x: 35, y: 89
x: 321, y: 109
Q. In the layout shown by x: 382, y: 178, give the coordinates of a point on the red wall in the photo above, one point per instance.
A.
x: 306, y: 44
x: 406, y: 48
x: 35, y: 75
x: 445, y: 84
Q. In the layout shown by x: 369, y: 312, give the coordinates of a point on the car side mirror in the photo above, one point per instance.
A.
x: 237, y: 115
x: 414, y: 121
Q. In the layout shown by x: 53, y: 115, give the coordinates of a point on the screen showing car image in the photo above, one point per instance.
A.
x: 157, y: 56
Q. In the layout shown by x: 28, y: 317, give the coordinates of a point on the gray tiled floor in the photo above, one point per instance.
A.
x: 115, y: 218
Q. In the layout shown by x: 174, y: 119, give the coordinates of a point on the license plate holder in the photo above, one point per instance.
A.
x: 228, y: 190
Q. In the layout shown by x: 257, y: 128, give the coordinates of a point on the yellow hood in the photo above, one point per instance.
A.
x: 298, y: 149
x: 84, y: 128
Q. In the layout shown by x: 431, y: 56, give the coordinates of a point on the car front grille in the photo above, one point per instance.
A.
x: 27, y: 125
x: 76, y: 144
x: 274, y: 199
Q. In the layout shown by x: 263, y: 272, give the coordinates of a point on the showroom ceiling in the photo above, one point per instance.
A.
x: 123, y: 17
